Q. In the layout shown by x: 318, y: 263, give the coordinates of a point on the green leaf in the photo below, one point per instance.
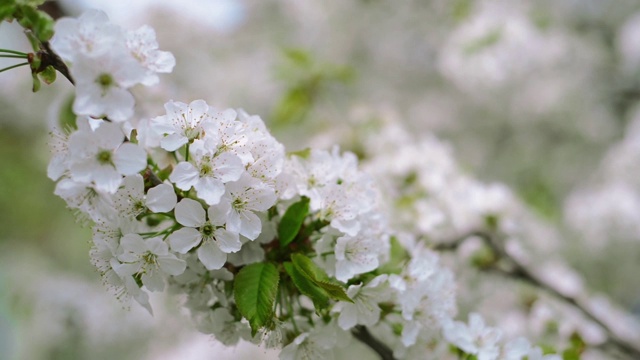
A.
x: 7, y: 10
x: 335, y: 291
x: 48, y: 75
x: 318, y: 295
x: 292, y: 221
x: 310, y: 270
x: 255, y: 290
x: 318, y: 277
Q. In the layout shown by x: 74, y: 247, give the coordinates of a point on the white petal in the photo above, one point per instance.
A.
x: 173, y: 142
x: 107, y: 179
x: 251, y: 225
x: 153, y: 281
x: 133, y: 243
x: 163, y: 62
x: 348, y: 317
x: 210, y: 256
x: 184, y: 175
x: 124, y: 270
x: 219, y: 213
x: 228, y: 167
x: 161, y: 198
x: 184, y: 240
x: 234, y: 223
x: 197, y: 109
x: 172, y: 265
x: 157, y: 246
x: 118, y: 104
x: 227, y: 241
x: 130, y: 159
x: 134, y: 186
x: 190, y: 213
x: 210, y: 190
x: 109, y: 136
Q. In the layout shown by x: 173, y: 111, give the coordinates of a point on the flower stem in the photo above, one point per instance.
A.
x: 13, y: 52
x: 13, y: 67
x: 13, y: 56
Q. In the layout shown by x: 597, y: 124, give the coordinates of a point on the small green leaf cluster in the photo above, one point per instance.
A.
x: 38, y: 27
x: 289, y: 272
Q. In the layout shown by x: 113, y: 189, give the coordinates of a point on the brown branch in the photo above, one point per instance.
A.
x: 49, y: 57
x: 361, y: 333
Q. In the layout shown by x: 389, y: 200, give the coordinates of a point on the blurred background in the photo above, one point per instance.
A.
x: 539, y: 95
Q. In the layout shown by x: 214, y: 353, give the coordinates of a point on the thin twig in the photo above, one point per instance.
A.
x: 49, y: 57
x: 519, y: 271
x: 361, y: 333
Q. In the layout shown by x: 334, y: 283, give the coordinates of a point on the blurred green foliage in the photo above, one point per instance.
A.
x: 307, y: 80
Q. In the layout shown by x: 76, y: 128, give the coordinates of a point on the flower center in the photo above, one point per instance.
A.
x: 206, y: 170
x: 149, y: 258
x: 192, y: 133
x: 105, y: 81
x: 104, y: 157
x: 207, y: 230
x: 238, y: 204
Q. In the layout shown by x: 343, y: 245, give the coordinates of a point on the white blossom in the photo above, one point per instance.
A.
x: 209, y: 173
x: 364, y: 310
x: 243, y: 199
x: 100, y: 157
x: 215, y: 241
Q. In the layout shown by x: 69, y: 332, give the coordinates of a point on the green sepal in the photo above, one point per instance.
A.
x: 48, y: 75
x: 292, y: 221
x: 255, y: 289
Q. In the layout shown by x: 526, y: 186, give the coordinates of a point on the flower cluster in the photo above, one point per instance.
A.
x: 289, y: 250
x: 106, y: 61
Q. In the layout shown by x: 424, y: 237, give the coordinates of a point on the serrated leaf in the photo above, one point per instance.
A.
x: 255, y: 290
x: 292, y: 221
x: 319, y: 277
x: 307, y: 267
x: 318, y: 295
x: 335, y: 291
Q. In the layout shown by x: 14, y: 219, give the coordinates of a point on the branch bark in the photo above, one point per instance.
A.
x: 361, y: 333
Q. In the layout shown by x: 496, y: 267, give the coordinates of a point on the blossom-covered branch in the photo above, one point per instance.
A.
x: 513, y: 268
